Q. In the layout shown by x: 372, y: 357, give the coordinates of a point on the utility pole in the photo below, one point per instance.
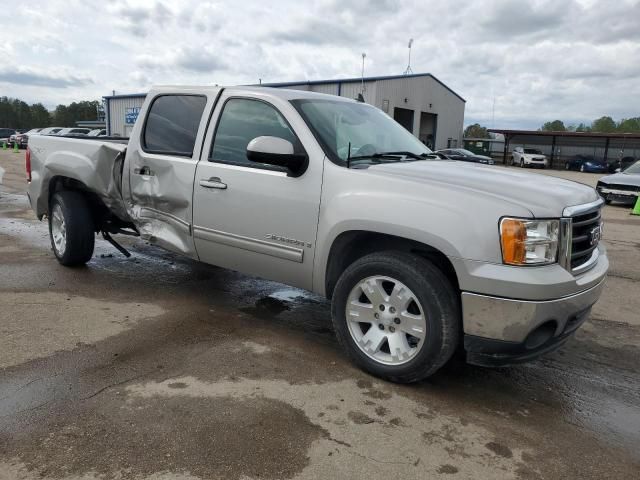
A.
x: 408, y: 70
x: 362, y: 74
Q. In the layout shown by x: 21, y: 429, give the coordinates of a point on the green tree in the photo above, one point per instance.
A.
x: 604, y: 125
x: 40, y: 116
x: 629, y: 125
x: 583, y: 128
x: 476, y: 131
x: 555, y: 126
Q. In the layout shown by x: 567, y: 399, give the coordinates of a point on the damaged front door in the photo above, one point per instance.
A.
x: 162, y: 168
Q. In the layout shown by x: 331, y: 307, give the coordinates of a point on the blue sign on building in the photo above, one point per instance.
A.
x: 131, y: 115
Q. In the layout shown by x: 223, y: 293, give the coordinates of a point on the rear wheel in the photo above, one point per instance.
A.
x: 397, y: 316
x: 71, y: 228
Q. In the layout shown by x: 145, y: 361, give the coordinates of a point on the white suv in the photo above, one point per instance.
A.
x: 528, y: 157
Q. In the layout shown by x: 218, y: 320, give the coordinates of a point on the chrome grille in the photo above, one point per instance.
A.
x: 583, y: 242
x: 580, y: 231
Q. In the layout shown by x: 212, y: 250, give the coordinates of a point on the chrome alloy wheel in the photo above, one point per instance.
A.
x: 386, y: 320
x: 58, y: 230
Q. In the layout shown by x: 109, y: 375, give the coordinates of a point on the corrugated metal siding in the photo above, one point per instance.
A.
x: 117, y: 110
x: 423, y: 94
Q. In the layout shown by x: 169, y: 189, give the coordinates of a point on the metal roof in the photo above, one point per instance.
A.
x: 539, y: 133
x: 358, y: 80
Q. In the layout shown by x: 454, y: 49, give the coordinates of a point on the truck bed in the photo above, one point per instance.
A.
x: 95, y: 162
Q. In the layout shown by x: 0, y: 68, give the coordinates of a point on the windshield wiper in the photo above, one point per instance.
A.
x: 415, y: 156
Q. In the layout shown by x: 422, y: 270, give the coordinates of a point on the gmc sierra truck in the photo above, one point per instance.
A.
x: 419, y: 256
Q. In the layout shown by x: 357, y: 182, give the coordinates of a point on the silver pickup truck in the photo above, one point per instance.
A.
x: 420, y: 256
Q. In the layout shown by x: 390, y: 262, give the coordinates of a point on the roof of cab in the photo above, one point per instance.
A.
x: 284, y: 93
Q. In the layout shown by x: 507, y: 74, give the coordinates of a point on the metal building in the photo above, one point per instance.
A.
x: 420, y: 102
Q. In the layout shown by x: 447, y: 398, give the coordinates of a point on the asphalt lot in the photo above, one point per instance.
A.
x: 156, y: 367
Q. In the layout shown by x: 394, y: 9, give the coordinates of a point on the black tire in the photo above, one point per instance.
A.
x: 439, y: 300
x: 607, y: 200
x: 521, y: 163
x: 80, y: 234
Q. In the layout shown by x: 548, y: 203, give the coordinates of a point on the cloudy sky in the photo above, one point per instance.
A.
x: 575, y: 60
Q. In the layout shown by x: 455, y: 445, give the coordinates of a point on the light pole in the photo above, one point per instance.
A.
x: 362, y: 74
x: 408, y: 70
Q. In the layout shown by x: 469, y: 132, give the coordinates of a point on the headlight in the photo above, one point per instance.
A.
x: 529, y: 242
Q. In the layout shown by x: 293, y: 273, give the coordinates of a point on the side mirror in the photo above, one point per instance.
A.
x: 278, y: 152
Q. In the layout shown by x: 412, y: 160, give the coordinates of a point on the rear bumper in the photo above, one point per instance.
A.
x: 540, y: 326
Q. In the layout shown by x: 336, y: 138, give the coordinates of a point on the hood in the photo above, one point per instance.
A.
x: 542, y: 195
x: 622, y: 178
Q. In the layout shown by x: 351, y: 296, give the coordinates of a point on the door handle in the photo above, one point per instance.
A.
x: 143, y: 171
x: 213, y: 182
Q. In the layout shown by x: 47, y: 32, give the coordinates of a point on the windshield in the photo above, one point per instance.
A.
x: 467, y: 153
x: 369, y: 131
x: 635, y: 168
x: 532, y: 151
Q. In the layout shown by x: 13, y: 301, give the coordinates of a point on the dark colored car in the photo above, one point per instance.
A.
x: 466, y: 156
x: 5, y: 133
x: 586, y: 163
x: 622, y: 164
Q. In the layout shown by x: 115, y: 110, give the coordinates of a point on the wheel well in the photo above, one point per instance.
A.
x: 99, y: 212
x: 350, y: 246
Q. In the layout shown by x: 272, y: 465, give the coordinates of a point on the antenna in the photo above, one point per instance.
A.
x: 408, y: 70
x: 362, y: 74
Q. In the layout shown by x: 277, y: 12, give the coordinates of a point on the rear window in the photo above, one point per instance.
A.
x: 172, y: 124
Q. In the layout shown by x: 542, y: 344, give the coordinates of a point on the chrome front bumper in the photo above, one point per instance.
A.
x: 512, y: 320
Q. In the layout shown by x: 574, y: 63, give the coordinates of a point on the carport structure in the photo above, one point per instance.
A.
x: 560, y: 146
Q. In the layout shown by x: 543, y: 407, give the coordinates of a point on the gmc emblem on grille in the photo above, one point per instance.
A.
x: 594, y: 235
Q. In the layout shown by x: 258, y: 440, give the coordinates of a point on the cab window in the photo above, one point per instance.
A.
x: 172, y: 124
x: 241, y: 121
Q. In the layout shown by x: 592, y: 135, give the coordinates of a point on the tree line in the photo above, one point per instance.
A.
x: 15, y: 113
x: 604, y: 124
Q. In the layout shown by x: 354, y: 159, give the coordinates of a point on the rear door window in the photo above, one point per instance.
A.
x: 172, y: 124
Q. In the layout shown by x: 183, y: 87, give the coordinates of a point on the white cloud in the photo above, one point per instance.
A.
x: 575, y: 60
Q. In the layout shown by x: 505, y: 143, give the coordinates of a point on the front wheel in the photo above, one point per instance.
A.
x: 521, y: 163
x: 396, y: 315
x: 71, y: 228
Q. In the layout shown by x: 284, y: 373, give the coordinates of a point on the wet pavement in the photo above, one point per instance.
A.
x: 157, y: 367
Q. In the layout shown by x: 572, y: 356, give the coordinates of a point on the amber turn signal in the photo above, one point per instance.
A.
x: 513, y: 235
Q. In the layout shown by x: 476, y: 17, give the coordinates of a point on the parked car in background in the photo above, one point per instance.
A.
x: 49, y: 131
x: 528, y: 157
x: 73, y: 131
x: 621, y: 187
x: 586, y: 163
x: 5, y: 133
x: 22, y: 139
x: 98, y: 132
x: 465, y: 156
x: 621, y: 165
